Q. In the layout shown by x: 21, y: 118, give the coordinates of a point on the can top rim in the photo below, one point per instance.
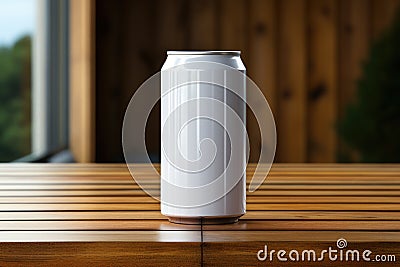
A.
x: 231, y: 53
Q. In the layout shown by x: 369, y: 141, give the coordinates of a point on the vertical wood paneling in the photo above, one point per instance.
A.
x: 322, y: 91
x: 292, y: 81
x: 233, y: 31
x: 82, y: 80
x: 305, y: 55
x: 383, y: 12
x: 136, y: 47
x: 172, y: 33
x: 108, y: 81
x: 172, y: 25
x: 355, y: 35
x: 140, y: 63
x: 233, y: 35
x: 203, y: 25
x: 261, y: 61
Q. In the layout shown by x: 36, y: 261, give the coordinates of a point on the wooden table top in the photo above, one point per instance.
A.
x: 95, y: 214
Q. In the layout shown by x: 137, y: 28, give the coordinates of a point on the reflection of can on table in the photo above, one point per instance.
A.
x: 203, y: 137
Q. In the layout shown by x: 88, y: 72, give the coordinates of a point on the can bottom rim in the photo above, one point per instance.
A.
x: 204, y: 220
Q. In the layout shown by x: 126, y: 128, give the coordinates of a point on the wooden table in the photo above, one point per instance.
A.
x: 81, y: 215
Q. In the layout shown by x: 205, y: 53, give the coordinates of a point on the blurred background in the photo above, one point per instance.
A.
x: 330, y: 70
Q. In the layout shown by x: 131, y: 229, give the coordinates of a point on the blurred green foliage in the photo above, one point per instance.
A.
x: 371, y: 126
x: 15, y: 100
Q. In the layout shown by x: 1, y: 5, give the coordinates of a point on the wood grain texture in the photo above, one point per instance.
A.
x: 96, y: 215
x: 108, y: 80
x: 203, y: 34
x: 82, y: 80
x: 322, y: 89
x: 355, y: 34
x: 305, y: 55
x: 232, y: 23
x: 383, y: 12
x: 100, y: 253
x: 292, y: 81
x: 245, y: 253
x: 262, y: 63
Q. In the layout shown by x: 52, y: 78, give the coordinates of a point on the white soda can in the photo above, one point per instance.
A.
x: 203, y: 137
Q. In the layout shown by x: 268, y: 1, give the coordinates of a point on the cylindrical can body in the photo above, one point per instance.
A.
x: 203, y: 137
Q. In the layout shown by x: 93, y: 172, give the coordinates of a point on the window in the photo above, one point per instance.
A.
x: 33, y: 79
x: 16, y: 29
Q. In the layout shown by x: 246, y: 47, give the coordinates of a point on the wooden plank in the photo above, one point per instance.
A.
x: 108, y: 79
x: 322, y: 199
x: 132, y: 62
x: 270, y: 179
x: 293, y: 236
x: 95, y: 170
x: 322, y: 90
x: 292, y: 81
x: 266, y: 225
x: 100, y: 253
x: 276, y: 179
x: 81, y: 215
x: 289, y: 174
x: 151, y: 179
x: 142, y: 56
x: 82, y: 80
x: 273, y: 177
x: 203, y: 34
x: 269, y: 184
x: 72, y: 199
x: 55, y: 193
x: 59, y: 186
x: 232, y: 26
x: 328, y: 187
x: 156, y: 207
x: 172, y: 25
x: 318, y: 215
x: 261, y: 63
x: 272, y: 183
x: 103, y: 225
x: 321, y: 207
x: 83, y: 207
x: 153, y: 187
x: 262, y: 47
x: 250, y: 199
x: 164, y: 225
x: 370, y: 193
x: 383, y: 12
x: 119, y: 170
x: 355, y: 34
x: 156, y: 215
x: 100, y: 236
x: 354, y: 40
x: 290, y: 184
x: 285, y: 192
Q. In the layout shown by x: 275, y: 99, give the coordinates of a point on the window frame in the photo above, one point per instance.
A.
x: 50, y: 81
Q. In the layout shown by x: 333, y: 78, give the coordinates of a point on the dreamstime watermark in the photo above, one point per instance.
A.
x: 223, y: 89
x: 338, y: 253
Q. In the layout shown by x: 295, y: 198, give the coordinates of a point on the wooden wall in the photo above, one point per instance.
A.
x: 82, y: 78
x: 305, y: 55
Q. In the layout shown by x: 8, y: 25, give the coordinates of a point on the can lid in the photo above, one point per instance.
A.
x: 232, y: 53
